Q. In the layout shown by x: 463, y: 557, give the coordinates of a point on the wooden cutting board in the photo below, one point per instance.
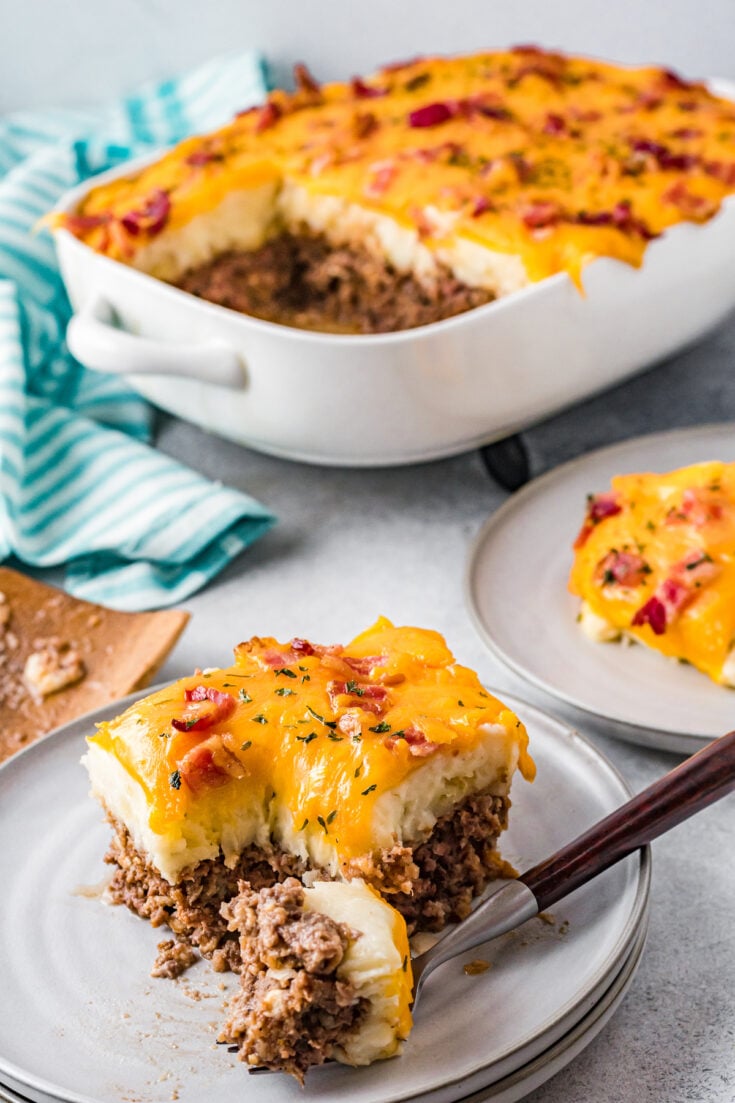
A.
x: 93, y: 655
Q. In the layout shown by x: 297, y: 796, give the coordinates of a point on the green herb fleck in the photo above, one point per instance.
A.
x: 354, y: 688
x: 285, y: 672
x: 380, y: 728
x: 306, y: 678
x: 283, y: 692
x: 369, y: 789
x: 334, y: 738
x: 228, y: 685
x: 357, y: 771
x: 246, y: 745
x: 244, y: 697
x: 174, y: 780
x: 405, y: 963
x: 307, y: 738
x: 303, y: 667
x: 327, y: 723
x: 164, y: 735
x: 259, y: 719
x: 303, y: 826
x: 331, y: 816
x: 461, y: 704
x: 482, y: 694
x: 321, y: 821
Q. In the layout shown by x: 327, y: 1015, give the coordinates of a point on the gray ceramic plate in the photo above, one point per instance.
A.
x: 75, y: 972
x: 516, y: 589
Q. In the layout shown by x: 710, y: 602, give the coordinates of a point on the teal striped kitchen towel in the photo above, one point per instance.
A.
x: 79, y: 485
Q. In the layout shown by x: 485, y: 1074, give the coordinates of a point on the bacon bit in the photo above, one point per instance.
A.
x: 696, y: 207
x: 540, y: 214
x: 368, y: 697
x: 665, y: 159
x: 699, y: 506
x: 362, y: 91
x: 686, y: 132
x: 481, y: 205
x: 382, y: 175
x: 431, y: 114
x: 624, y: 568
x: 304, y: 81
x: 209, y: 764
x: 676, y: 592
x: 621, y: 217
x: 721, y: 170
x: 364, y: 124
x: 671, y: 78
x: 652, y: 613
x: 349, y: 724
x: 269, y: 115
x: 301, y: 647
x: 494, y: 111
x: 599, y: 508
x: 83, y: 223
x: 423, y: 223
x: 416, y: 741
x: 554, y: 124
x: 202, y: 156
x: 151, y: 218
x: 523, y: 167
x: 365, y: 665
x: 198, y: 720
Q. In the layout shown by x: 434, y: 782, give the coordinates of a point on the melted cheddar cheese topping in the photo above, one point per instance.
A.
x: 310, y: 742
x: 655, y: 560
x: 551, y: 159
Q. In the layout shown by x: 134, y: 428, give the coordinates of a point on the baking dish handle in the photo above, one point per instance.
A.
x: 98, y: 343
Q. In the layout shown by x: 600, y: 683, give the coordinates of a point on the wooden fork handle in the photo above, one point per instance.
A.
x: 696, y: 783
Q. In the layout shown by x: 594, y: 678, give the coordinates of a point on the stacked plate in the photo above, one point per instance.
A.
x: 82, y: 1022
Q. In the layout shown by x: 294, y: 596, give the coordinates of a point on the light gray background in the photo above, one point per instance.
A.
x: 354, y: 544
x: 66, y: 52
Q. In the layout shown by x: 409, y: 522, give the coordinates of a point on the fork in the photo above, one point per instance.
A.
x: 699, y: 781
x: 696, y: 783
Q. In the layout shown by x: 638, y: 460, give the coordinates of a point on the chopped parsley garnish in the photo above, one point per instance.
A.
x: 244, y: 697
x: 306, y: 678
x: 704, y: 558
x: 303, y: 667
x: 380, y: 728
x: 481, y: 693
x: 285, y: 672
x: 228, y: 685
x: 405, y: 963
x: 331, y: 816
x: 354, y: 688
x: 322, y: 823
x: 307, y: 738
x: 246, y: 745
x: 400, y: 734
x: 164, y: 735
x: 650, y: 526
x: 283, y: 692
x: 357, y: 771
x: 327, y: 723
x: 259, y: 719
x: 369, y: 789
x: 461, y: 704
x: 304, y: 824
x: 334, y: 738
x: 189, y: 724
x: 174, y: 780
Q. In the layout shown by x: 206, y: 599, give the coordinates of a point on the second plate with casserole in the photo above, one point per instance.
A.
x: 644, y: 697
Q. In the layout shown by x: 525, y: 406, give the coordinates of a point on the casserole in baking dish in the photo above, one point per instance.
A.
x: 419, y: 194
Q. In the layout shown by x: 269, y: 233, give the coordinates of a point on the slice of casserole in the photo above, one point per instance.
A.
x: 424, y: 190
x: 655, y: 562
x: 384, y: 760
x: 326, y: 975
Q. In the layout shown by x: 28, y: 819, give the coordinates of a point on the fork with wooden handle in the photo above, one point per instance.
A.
x: 701, y: 780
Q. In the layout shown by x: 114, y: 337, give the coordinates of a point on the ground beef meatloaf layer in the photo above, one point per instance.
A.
x: 302, y: 280
x: 384, y: 760
x: 470, y: 177
x: 325, y: 975
x: 430, y: 884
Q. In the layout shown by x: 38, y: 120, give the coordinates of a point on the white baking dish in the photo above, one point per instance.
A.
x: 399, y: 397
